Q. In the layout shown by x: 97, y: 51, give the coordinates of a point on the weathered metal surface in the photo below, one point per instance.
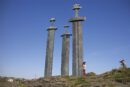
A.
x: 65, y: 54
x: 77, y: 19
x: 77, y: 42
x: 80, y: 49
x: 49, y: 52
x: 77, y: 49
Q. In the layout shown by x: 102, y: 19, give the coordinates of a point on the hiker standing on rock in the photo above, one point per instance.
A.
x: 84, y: 69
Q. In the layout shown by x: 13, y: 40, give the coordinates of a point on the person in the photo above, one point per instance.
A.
x: 84, y: 68
x: 122, y: 63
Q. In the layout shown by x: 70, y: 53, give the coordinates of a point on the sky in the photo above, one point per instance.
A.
x: 23, y: 25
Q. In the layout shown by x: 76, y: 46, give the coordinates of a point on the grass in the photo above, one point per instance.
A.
x: 81, y: 81
x: 20, y: 84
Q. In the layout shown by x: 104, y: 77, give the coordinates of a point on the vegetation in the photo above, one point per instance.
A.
x: 20, y: 84
x: 91, y: 74
x: 115, y: 78
x: 120, y: 75
x: 81, y: 82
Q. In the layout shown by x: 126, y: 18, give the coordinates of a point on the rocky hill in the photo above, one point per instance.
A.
x: 114, y: 78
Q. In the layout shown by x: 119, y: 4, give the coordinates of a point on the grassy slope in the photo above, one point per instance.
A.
x: 114, y: 78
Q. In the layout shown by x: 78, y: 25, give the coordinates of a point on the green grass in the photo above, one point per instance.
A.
x: 120, y: 75
x: 20, y: 84
x: 81, y: 81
